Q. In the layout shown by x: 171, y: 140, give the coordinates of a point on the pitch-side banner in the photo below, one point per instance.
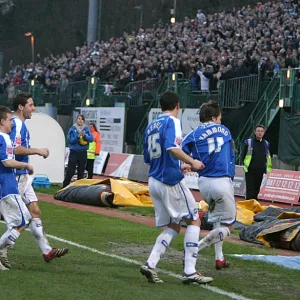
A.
x: 281, y: 186
x: 110, y: 121
x: 100, y: 162
x: 138, y: 170
x: 239, y: 182
x: 118, y: 165
x: 190, y: 120
x: 155, y: 112
x: 133, y: 168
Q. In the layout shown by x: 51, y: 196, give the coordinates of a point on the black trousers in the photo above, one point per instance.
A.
x: 76, y: 159
x: 253, y: 182
x: 90, y: 168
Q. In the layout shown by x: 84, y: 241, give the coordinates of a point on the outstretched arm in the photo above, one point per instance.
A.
x: 20, y: 150
x: 12, y: 163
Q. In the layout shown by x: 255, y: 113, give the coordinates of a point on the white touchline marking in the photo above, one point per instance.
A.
x: 135, y: 262
x: 207, y: 287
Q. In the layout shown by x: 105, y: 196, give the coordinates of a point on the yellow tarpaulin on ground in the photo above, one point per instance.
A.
x: 140, y: 191
x: 278, y: 232
x: 246, y: 210
x: 130, y: 193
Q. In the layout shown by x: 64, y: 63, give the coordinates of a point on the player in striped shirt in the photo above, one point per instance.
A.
x: 12, y: 208
x: 23, y: 108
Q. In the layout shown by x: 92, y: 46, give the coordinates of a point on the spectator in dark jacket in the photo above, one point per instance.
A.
x: 241, y: 69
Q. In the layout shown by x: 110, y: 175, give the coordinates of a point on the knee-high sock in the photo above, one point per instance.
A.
x: 218, y: 246
x: 191, y: 239
x: 37, y: 231
x: 219, y: 251
x: 215, y: 236
x: 8, y: 239
x: 161, y: 245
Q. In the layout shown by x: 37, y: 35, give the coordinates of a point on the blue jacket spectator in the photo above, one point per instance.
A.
x: 79, y: 137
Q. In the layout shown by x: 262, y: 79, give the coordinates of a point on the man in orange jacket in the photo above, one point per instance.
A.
x: 94, y: 150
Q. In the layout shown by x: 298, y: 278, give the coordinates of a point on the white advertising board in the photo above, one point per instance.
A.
x: 110, y: 121
x: 45, y: 132
x: 100, y: 162
x: 155, y: 112
x: 190, y: 120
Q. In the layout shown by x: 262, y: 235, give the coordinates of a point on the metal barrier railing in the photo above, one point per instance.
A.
x: 23, y: 87
x: 263, y: 84
x: 296, y: 99
x: 174, y: 81
x: 36, y: 91
x: 197, y: 98
x: 235, y: 91
x: 231, y: 94
x: 162, y: 87
x: 194, y: 99
x: 50, y: 98
x: 4, y: 99
x: 111, y: 100
x: 260, y: 112
x: 142, y: 91
x: 73, y: 92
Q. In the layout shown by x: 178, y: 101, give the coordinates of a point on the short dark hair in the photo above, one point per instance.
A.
x: 169, y: 100
x: 82, y: 117
x: 261, y: 126
x: 20, y: 99
x: 209, y: 110
x: 4, y: 110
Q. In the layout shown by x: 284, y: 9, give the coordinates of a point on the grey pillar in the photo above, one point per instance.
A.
x: 92, y: 29
x: 99, y: 19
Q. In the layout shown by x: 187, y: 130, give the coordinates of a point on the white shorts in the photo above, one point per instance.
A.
x: 218, y: 192
x: 14, y: 211
x: 172, y: 203
x: 25, y: 189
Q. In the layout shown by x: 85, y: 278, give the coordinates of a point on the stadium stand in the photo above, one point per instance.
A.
x: 250, y: 40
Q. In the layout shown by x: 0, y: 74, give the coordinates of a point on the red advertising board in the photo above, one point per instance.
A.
x: 118, y: 165
x: 239, y: 182
x: 281, y: 186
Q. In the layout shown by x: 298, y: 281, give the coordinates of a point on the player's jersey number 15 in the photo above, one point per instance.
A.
x: 154, y: 147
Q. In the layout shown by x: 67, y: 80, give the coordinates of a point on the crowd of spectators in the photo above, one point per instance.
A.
x: 206, y: 49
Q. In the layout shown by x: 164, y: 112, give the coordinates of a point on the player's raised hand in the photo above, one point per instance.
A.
x: 30, y: 169
x: 43, y: 152
x: 197, y: 165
